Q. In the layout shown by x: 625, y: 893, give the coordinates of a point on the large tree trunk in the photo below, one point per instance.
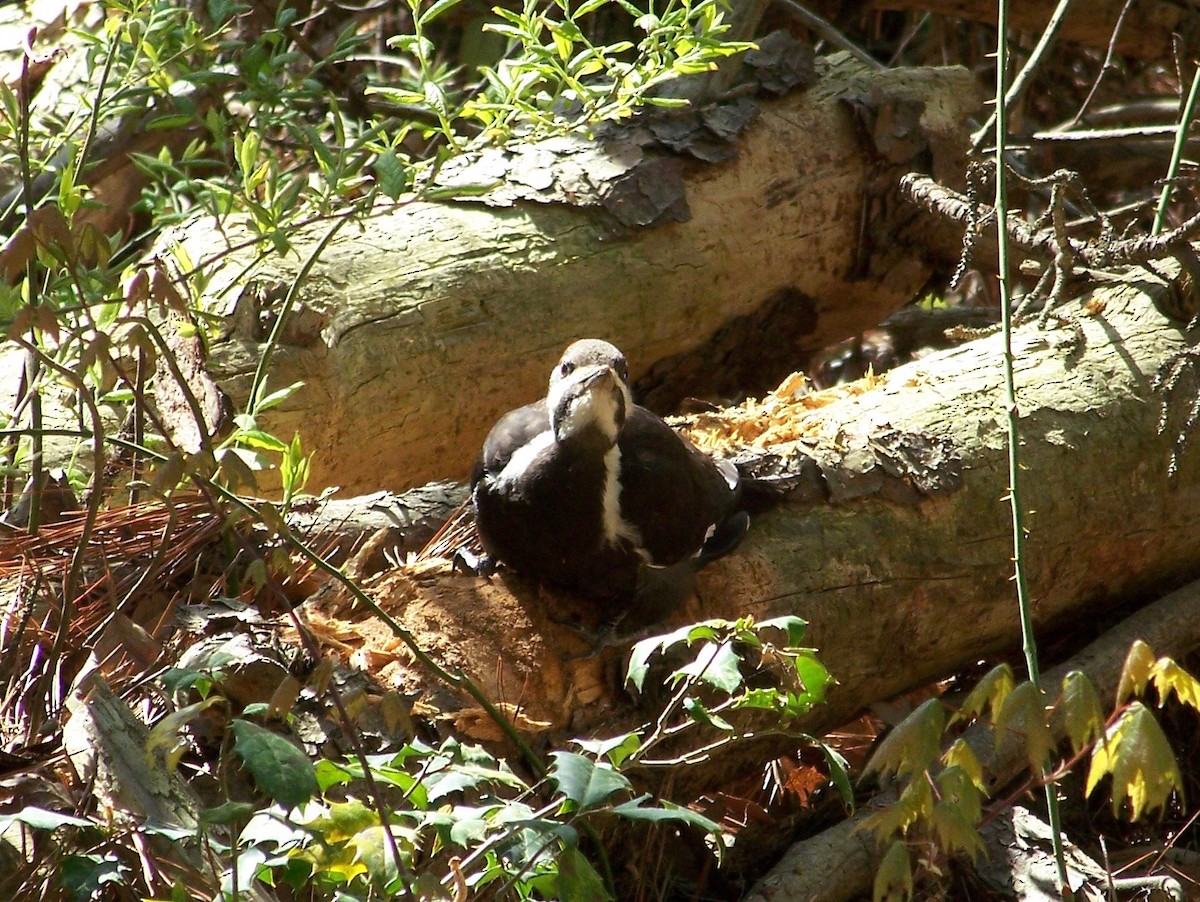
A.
x: 905, y: 576
x: 416, y: 328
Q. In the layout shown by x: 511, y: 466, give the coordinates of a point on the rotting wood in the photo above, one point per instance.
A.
x: 418, y: 327
x: 892, y: 575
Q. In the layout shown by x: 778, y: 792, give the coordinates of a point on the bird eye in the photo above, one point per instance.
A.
x: 566, y: 368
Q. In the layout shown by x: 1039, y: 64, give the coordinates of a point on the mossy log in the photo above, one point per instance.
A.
x: 418, y: 326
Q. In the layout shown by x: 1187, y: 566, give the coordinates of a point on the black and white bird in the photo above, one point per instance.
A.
x: 588, y: 491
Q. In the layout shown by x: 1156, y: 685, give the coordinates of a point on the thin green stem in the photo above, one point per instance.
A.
x: 1028, y: 640
x: 1181, y: 133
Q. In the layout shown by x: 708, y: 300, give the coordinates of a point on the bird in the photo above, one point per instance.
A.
x: 589, y: 492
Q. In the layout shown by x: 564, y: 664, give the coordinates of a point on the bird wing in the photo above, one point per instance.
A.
x: 512, y: 431
x: 672, y: 493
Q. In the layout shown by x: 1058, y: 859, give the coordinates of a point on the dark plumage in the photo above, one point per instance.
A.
x: 585, y: 490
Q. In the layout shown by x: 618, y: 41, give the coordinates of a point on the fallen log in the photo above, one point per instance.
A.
x: 417, y: 327
x: 904, y: 573
x: 840, y: 863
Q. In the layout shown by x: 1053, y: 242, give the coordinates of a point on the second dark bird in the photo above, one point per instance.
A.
x: 590, y: 492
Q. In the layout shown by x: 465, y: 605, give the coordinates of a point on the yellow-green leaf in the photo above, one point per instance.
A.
x: 1170, y: 677
x: 913, y: 744
x: 990, y: 692
x: 1083, y: 718
x: 955, y: 829
x: 893, y: 880
x: 166, y: 742
x: 956, y: 788
x: 915, y: 803
x: 1024, y: 713
x: 961, y: 755
x: 1139, y: 665
x: 1139, y: 757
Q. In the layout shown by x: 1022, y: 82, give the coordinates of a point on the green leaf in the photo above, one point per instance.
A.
x: 794, y: 627
x: 279, y: 769
x: 436, y: 10
x: 616, y: 750
x: 42, y: 819
x: 716, y: 665
x: 813, y: 676
x: 839, y: 772
x: 1136, y: 673
x: 990, y: 692
x: 893, y: 880
x: 276, y: 397
x: 639, y: 657
x: 577, y: 879
x: 84, y: 876
x: 584, y: 782
x: 914, y: 743
x: 372, y: 850
x: 636, y: 810
x: 956, y: 786
x: 1139, y: 757
x: 227, y: 813
x: 1083, y: 718
x: 695, y: 709
x: 394, y: 177
x: 1024, y: 713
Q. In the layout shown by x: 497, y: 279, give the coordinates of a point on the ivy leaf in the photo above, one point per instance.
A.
x: 1024, y: 713
x: 583, y: 782
x: 839, y: 771
x: 372, y: 850
x: 616, y: 749
x: 636, y: 810
x: 1083, y: 718
x: 279, y: 769
x: 893, y: 880
x: 814, y: 677
x: 1136, y: 673
x: 1139, y: 757
x: 989, y: 692
x: 1170, y: 677
x: 577, y: 879
x: 716, y: 665
x: 639, y: 658
x: 913, y: 744
x: 85, y: 876
x: 42, y: 819
x: 793, y: 626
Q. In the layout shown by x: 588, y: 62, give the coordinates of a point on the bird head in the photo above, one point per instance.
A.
x: 590, y: 352
x: 588, y: 397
